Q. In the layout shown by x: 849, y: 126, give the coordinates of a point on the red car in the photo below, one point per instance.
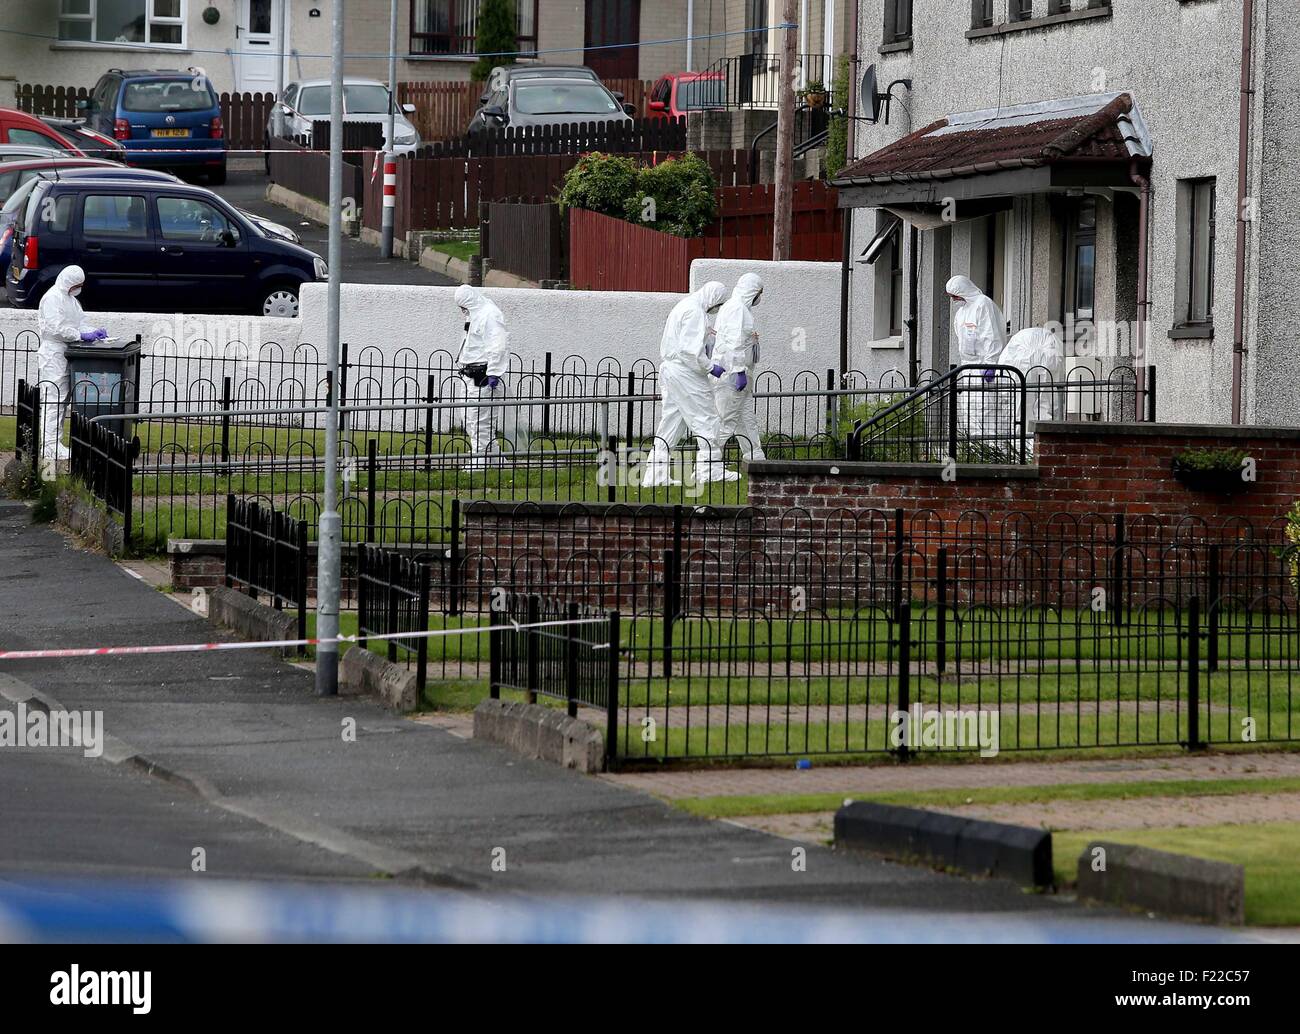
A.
x: 673, y: 96
x: 17, y: 127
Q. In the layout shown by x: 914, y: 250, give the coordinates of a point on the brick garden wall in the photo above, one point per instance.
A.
x: 1079, y: 469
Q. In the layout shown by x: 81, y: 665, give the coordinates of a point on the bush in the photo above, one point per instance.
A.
x: 599, y: 183
x: 680, y: 194
x: 497, y: 23
x: 837, y: 139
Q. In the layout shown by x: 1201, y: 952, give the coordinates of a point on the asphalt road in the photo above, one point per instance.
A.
x: 271, y: 789
x: 361, y: 262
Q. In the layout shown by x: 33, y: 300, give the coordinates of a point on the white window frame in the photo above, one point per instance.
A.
x: 150, y: 20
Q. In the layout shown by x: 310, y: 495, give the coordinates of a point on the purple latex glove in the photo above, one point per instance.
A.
x: 742, y: 381
x: 101, y: 334
x: 89, y: 335
x: 989, y: 375
x: 494, y: 383
x: 717, y: 370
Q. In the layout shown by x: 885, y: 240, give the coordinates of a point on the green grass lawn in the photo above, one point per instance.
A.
x: 462, y: 250
x: 1267, y: 850
x: 793, y: 804
x: 8, y: 433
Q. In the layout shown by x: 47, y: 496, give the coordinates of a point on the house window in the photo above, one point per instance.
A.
x: 450, y: 27
x: 756, y: 24
x: 896, y: 286
x: 898, y: 20
x: 885, y: 255
x: 981, y: 14
x: 159, y: 23
x: 1021, y: 10
x: 1196, y: 232
x: 1081, y: 262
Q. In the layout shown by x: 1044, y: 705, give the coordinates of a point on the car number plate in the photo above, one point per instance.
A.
x: 171, y: 132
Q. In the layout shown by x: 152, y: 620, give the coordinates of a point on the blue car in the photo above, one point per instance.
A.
x: 164, y: 119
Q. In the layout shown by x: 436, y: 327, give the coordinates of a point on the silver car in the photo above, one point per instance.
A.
x: 364, y: 100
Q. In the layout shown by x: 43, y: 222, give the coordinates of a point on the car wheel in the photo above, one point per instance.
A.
x: 280, y: 301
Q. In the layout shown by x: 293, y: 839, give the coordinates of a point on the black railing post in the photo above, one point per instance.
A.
x: 390, y: 618
x: 1116, y: 602
x: 546, y: 394
x: 941, y: 622
x: 372, y: 456
x: 832, y: 408
x: 363, y: 594
x: 494, y: 654
x: 616, y: 473
x: 952, y: 419
x: 343, y: 387
x: 898, y: 557
x: 428, y: 426
x: 1212, y: 610
x: 1194, y: 674
x: 453, y: 562
x: 1151, y: 394
x: 422, y: 644
x: 232, y: 537
x: 670, y: 610
x: 611, y: 691
x: 571, y: 661
x: 129, y: 453
x: 534, y: 655
x: 225, y: 419
x: 903, y: 618
x: 629, y: 423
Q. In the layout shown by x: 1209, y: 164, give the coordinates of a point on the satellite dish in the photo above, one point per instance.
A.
x: 870, y: 93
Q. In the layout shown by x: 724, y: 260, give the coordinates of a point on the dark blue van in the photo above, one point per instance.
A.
x: 154, y: 246
x: 166, y: 118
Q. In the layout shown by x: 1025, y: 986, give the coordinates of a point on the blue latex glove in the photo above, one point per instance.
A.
x: 742, y: 382
x: 494, y: 383
x: 717, y: 370
x: 88, y: 336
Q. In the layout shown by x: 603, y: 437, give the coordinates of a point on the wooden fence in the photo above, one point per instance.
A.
x: 607, y: 254
x: 299, y: 168
x: 444, y: 193
x: 647, y: 135
x: 526, y: 240
x: 245, y: 117
x: 52, y: 101
x: 443, y: 110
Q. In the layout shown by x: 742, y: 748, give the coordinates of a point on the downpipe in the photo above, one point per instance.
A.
x: 1243, y: 176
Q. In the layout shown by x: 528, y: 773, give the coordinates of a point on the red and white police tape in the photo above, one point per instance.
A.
x: 276, y: 644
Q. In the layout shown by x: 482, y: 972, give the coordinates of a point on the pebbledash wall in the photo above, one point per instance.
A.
x: 1079, y: 468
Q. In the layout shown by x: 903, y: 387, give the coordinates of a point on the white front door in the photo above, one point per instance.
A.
x: 259, y: 46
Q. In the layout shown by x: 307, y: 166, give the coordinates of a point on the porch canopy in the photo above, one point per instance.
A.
x: 974, y: 160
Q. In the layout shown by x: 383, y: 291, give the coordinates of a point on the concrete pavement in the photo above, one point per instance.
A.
x: 251, y: 739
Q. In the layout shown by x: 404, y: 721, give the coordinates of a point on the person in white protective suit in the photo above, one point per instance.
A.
x: 1037, y: 354
x: 981, y: 331
x: 484, y: 358
x: 686, y: 354
x: 61, y: 323
x: 735, y: 360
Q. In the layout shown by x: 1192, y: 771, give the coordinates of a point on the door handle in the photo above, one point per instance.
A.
x: 94, y: 247
x: 171, y: 250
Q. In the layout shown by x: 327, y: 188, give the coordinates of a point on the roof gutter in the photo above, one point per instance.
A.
x: 1243, y: 175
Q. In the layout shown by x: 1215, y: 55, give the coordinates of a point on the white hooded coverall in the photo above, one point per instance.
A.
x: 686, y: 388
x: 737, y: 352
x: 1039, y: 356
x: 486, y: 341
x: 61, y: 323
x: 983, y: 403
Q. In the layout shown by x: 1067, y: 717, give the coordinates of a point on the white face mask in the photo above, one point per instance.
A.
x: 75, y: 291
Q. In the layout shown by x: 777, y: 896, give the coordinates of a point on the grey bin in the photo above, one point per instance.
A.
x: 106, y: 380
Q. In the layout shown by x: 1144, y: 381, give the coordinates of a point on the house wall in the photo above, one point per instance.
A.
x: 1194, y: 127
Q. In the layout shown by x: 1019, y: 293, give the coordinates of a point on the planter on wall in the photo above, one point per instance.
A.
x: 1220, y: 481
x: 211, y: 15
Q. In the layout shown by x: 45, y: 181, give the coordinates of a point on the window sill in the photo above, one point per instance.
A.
x: 887, y: 343
x: 1192, y: 332
x: 123, y: 48
x: 897, y: 47
x: 1047, y: 22
x: 459, y: 58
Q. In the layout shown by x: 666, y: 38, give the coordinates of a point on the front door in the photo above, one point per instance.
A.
x: 611, y: 22
x: 258, y: 45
